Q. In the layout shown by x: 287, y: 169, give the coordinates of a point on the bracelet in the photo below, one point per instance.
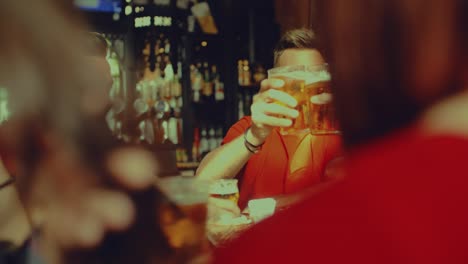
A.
x: 7, y: 183
x: 251, y: 147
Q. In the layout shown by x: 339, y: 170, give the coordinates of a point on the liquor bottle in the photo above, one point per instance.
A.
x: 260, y: 74
x: 177, y: 103
x: 196, y: 145
x: 241, y: 108
x: 167, y: 83
x: 155, y: 90
x: 179, y: 155
x: 247, y: 75
x: 173, y: 130
x: 180, y: 135
x: 180, y: 102
x: 204, y: 143
x: 184, y: 155
x: 212, y: 142
x: 177, y: 89
x: 218, y: 85
x: 219, y: 136
x: 240, y: 73
x: 219, y: 91
x: 167, y: 46
x: 192, y: 74
x: 207, y: 85
x: 197, y: 85
x: 157, y: 47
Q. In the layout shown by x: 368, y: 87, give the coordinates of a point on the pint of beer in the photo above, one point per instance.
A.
x: 225, y: 189
x: 294, y: 84
x: 322, y: 114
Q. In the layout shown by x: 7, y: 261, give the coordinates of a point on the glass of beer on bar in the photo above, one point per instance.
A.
x: 225, y: 189
x: 322, y: 114
x: 294, y: 78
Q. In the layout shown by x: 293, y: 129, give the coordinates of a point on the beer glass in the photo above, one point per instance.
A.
x: 225, y: 189
x: 183, y: 218
x: 224, y: 227
x: 294, y: 84
x: 322, y: 114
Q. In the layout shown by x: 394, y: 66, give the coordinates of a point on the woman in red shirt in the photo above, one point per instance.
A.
x: 401, y: 85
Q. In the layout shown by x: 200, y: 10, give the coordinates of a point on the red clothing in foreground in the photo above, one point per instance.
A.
x: 286, y: 164
x: 405, y: 200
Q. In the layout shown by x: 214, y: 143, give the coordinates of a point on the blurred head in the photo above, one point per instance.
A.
x: 96, y: 98
x: 70, y: 171
x: 391, y: 66
x: 44, y: 73
x: 297, y: 47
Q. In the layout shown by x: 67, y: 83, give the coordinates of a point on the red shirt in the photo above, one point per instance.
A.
x: 286, y: 164
x: 405, y: 200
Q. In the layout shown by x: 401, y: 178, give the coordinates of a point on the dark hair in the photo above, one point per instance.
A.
x: 390, y: 67
x: 295, y: 39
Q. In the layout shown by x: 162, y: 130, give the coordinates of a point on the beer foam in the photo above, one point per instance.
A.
x: 224, y: 186
x: 318, y: 76
x: 309, y: 77
x: 297, y: 75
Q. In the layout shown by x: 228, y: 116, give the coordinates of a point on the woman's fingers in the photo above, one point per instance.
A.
x: 278, y: 110
x: 276, y: 96
x: 281, y: 97
x: 273, y: 115
x: 272, y: 107
x: 263, y: 120
x: 268, y: 84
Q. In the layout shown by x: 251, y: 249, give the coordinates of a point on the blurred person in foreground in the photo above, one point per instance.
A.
x: 42, y: 73
x: 15, y: 227
x: 288, y: 168
x: 401, y: 83
x: 80, y: 190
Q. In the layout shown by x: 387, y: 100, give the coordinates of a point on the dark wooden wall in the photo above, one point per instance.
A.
x: 291, y: 14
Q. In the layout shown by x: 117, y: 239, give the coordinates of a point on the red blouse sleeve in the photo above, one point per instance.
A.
x: 237, y: 129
